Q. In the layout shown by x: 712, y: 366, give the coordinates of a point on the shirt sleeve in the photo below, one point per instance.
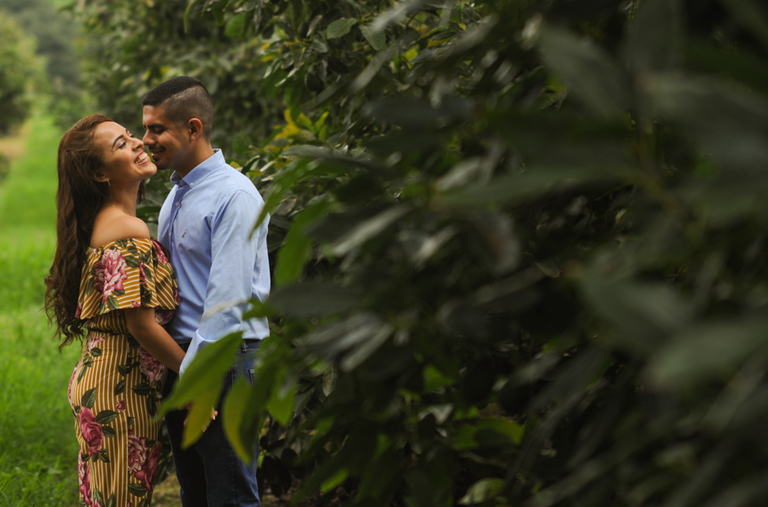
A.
x: 237, y: 261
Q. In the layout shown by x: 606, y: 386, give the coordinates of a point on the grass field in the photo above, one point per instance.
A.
x: 37, y: 445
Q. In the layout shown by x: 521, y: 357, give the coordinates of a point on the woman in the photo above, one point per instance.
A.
x: 110, y: 279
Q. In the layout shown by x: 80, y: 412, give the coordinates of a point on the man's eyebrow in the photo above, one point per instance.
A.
x: 116, y: 140
x: 154, y: 126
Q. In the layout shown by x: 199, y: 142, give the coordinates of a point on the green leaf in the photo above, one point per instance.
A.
x: 120, y: 387
x: 346, y: 334
x: 236, y: 26
x: 131, y: 261
x: 281, y: 403
x: 369, y: 229
x: 112, y: 303
x: 340, y: 27
x: 106, y: 416
x: 247, y: 407
x: 88, y: 398
x: 297, y: 248
x: 313, y: 299
x: 470, y: 436
x: 95, y: 352
x: 399, y: 12
x: 417, y: 114
x: 241, y: 144
x: 483, y: 490
x: 187, y: 13
x: 644, y: 313
x: 587, y: 70
x: 752, y: 16
x: 376, y: 40
x: 654, y: 40
x: 108, y: 432
x: 711, y: 350
x: 137, y: 490
x: 743, y: 66
x: 233, y: 416
x: 366, y: 348
x: 204, y: 376
x: 335, y: 480
x: 199, y: 416
x: 435, y: 379
x: 319, y: 46
x: 505, y: 427
x: 534, y: 183
x: 725, y: 119
x: 282, y: 183
x: 218, y: 9
x: 142, y: 389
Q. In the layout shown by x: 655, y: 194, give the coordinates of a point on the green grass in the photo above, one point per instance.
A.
x: 37, y: 443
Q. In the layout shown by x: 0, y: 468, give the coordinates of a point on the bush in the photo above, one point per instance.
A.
x: 520, y: 250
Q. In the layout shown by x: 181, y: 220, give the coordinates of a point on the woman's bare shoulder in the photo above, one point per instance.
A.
x: 113, y: 226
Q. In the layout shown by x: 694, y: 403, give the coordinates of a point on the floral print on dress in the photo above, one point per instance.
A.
x: 127, y: 273
x: 109, y: 274
x: 115, y: 388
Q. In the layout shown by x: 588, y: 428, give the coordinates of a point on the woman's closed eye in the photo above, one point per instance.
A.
x: 122, y: 145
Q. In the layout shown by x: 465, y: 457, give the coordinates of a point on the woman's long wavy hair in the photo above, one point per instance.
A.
x: 78, y: 200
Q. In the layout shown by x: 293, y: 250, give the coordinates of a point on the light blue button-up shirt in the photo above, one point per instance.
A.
x: 206, y: 223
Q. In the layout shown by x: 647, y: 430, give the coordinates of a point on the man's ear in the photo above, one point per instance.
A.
x: 195, y: 129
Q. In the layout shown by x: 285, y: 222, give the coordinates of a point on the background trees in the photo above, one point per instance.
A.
x: 18, y: 70
x: 519, y: 246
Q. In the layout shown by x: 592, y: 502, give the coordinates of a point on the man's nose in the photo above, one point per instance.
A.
x: 147, y: 139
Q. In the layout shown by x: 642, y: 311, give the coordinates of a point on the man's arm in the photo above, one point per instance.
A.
x: 236, y: 260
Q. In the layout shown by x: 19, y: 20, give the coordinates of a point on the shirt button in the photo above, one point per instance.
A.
x: 177, y: 204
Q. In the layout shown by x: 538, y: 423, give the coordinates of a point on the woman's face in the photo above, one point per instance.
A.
x: 125, y: 162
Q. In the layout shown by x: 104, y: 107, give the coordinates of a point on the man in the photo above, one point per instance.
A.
x: 206, y: 224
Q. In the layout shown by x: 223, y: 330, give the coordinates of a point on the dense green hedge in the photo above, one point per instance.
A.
x: 520, y: 245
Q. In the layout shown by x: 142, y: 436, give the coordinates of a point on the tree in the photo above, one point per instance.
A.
x: 521, y: 250
x: 55, y: 34
x: 18, y: 69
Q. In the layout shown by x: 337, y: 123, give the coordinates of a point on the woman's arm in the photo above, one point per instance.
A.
x: 153, y: 337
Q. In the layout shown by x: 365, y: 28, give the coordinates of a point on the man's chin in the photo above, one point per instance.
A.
x: 162, y: 165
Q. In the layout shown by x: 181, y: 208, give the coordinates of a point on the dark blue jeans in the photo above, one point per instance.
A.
x: 209, y: 472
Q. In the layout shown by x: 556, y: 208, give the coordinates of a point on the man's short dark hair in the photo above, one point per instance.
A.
x: 183, y: 98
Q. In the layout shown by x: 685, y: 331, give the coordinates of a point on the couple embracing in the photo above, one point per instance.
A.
x: 141, y: 302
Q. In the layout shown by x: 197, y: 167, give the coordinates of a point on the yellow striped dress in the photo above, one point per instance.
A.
x: 115, y: 388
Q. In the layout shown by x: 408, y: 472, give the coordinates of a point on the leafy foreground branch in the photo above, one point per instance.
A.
x: 520, y: 248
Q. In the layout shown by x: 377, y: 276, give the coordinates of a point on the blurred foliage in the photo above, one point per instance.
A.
x: 520, y: 245
x: 5, y: 166
x: 56, y: 36
x: 19, y: 69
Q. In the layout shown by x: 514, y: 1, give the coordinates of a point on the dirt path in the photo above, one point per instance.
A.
x: 167, y: 495
x: 13, y: 147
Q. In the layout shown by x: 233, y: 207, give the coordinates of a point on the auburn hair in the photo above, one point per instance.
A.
x: 78, y: 200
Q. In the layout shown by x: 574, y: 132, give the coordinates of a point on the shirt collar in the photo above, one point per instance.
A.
x: 202, y: 170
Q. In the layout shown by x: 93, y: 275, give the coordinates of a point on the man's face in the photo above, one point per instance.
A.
x: 168, y: 142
